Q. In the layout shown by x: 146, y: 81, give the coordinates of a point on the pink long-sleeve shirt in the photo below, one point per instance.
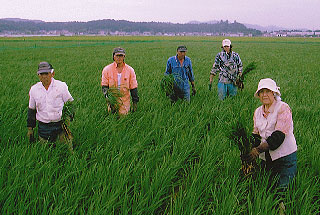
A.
x: 128, y: 82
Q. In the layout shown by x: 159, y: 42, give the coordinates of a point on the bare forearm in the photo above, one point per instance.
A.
x: 263, y: 147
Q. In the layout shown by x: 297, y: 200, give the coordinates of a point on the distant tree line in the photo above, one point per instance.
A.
x: 110, y: 25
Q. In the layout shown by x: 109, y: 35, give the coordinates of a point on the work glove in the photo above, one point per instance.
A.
x: 193, y: 91
x: 210, y: 86
x: 134, y: 107
x: 30, y: 135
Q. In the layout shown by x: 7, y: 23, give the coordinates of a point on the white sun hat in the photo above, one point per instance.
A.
x: 226, y: 42
x: 268, y: 83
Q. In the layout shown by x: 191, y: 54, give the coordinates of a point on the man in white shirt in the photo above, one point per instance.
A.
x: 46, y: 101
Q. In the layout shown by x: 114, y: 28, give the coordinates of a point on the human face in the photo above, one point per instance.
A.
x: 181, y: 55
x: 266, y: 97
x: 119, y: 58
x: 226, y: 49
x: 45, y: 78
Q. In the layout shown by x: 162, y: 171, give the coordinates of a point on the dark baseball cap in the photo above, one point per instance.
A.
x: 182, y: 49
x: 118, y: 50
x: 44, y: 67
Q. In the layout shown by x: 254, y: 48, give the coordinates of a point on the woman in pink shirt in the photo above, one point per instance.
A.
x: 275, y: 143
x: 119, y: 76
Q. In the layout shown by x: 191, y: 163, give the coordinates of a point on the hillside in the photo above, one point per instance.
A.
x: 109, y: 25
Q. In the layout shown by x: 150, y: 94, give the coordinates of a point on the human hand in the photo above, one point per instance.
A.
x: 111, y: 107
x: 251, y: 156
x: 134, y: 107
x: 30, y: 135
x: 194, y: 91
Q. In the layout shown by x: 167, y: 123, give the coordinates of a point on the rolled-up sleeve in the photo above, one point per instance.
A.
x: 190, y: 72
x: 66, y: 94
x: 216, y: 65
x: 104, y: 78
x: 255, y: 128
x: 284, y: 119
x: 168, y: 68
x: 32, y: 101
x: 133, y: 80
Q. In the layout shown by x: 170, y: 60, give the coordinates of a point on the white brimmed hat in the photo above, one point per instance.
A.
x: 226, y: 42
x: 267, y: 83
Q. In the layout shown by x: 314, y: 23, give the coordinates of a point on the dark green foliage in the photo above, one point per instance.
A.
x: 163, y: 159
x: 239, y: 82
x: 167, y: 84
x: 251, y: 66
x: 240, y: 137
x: 110, y: 25
x: 68, y: 111
x: 113, y: 98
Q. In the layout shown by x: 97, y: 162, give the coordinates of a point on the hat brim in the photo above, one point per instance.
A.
x: 118, y: 53
x: 182, y: 50
x: 45, y: 71
x: 265, y: 87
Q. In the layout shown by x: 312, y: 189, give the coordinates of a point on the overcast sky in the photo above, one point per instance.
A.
x: 282, y: 13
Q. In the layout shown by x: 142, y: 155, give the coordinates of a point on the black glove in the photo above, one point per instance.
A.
x: 210, y: 87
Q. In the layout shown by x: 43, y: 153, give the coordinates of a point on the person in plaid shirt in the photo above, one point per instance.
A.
x: 229, y: 66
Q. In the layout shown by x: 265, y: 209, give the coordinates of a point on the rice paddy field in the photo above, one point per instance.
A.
x: 165, y: 158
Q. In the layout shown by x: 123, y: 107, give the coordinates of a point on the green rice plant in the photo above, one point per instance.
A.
x: 163, y: 159
x: 240, y: 137
x: 67, y: 116
x: 240, y: 81
x: 114, y: 99
x: 167, y: 84
x: 68, y: 112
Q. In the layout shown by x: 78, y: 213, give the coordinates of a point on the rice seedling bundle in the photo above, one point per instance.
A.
x: 241, y: 138
x: 251, y: 66
x: 130, y: 165
x: 114, y: 98
x: 167, y: 84
x: 67, y: 117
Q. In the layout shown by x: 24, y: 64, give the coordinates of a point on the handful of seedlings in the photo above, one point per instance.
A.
x: 167, y: 84
x: 67, y: 117
x: 67, y: 112
x: 240, y: 136
x: 251, y: 66
x: 114, y: 99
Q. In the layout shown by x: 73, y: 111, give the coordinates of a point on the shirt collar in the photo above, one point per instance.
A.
x: 271, y: 109
x: 51, y: 84
x: 227, y: 54
x: 177, y: 59
x: 115, y: 64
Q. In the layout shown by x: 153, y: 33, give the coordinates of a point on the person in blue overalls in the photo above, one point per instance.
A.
x: 180, y: 67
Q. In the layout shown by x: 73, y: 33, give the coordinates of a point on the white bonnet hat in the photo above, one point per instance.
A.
x: 270, y: 84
